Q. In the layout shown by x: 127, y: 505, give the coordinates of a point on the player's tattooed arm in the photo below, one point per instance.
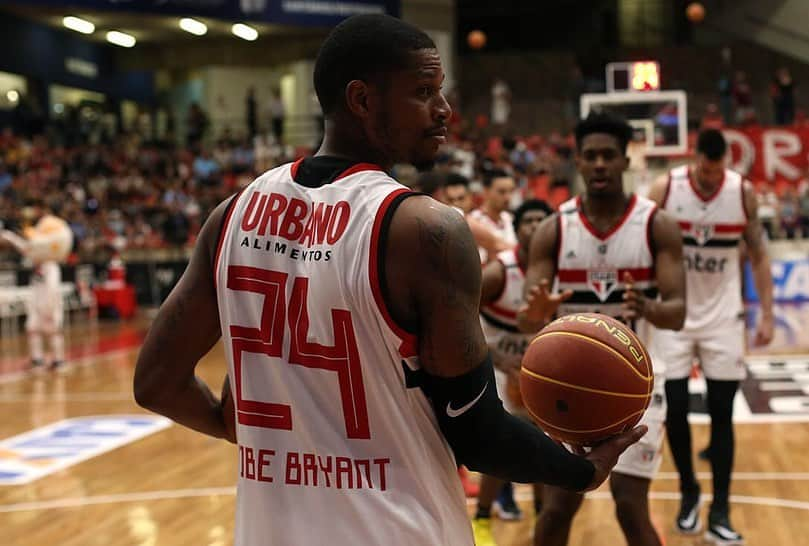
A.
x: 433, y: 281
x: 540, y: 305
x: 184, y: 330
x: 669, y: 311
x: 760, y: 261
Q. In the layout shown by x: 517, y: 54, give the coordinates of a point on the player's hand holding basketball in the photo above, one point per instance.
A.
x: 634, y: 300
x: 605, y: 455
x: 540, y: 305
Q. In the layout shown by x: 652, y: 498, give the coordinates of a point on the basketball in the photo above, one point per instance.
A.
x: 695, y: 12
x: 586, y: 377
x: 476, y: 39
x: 228, y: 410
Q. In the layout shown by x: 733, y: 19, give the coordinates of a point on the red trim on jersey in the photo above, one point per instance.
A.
x: 293, y: 170
x: 666, y: 195
x: 580, y: 275
x: 502, y: 310
x: 222, y: 232
x: 592, y: 229
x: 358, y: 168
x: 714, y: 194
x: 718, y: 228
x: 408, y: 347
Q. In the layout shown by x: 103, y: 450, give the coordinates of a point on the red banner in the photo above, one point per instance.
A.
x: 769, y: 154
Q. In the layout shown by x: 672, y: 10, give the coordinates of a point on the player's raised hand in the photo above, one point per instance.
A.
x: 605, y: 455
x: 540, y: 305
x: 634, y: 300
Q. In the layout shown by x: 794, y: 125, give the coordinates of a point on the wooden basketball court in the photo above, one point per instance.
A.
x: 176, y: 487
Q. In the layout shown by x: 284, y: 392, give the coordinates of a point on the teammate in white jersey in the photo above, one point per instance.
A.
x: 501, y: 298
x: 610, y: 253
x: 498, y: 188
x: 348, y: 312
x: 716, y: 210
x: 46, y: 243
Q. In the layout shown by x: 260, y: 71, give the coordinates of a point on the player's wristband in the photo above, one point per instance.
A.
x: 488, y: 439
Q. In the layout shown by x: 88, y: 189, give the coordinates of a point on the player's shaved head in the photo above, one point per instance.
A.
x: 364, y: 47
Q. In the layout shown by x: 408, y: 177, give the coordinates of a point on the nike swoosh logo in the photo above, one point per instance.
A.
x: 692, y: 518
x: 463, y: 409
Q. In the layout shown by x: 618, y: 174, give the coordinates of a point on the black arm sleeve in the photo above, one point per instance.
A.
x: 486, y: 438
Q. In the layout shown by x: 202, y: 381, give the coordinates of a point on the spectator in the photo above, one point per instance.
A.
x: 197, y: 123
x: 206, y: 169
x: 743, y: 99
x: 251, y: 114
x: 501, y: 102
x: 277, y: 115
x: 789, y: 213
x: 768, y: 211
x: 783, y: 97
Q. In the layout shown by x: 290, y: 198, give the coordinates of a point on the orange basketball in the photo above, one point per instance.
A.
x: 476, y: 39
x: 695, y: 12
x: 586, y: 377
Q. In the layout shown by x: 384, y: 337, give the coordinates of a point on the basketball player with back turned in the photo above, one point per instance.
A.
x: 348, y: 311
x: 716, y: 209
x: 615, y: 254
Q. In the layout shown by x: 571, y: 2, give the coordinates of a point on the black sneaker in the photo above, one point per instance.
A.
x: 37, y: 365
x: 506, y: 508
x: 688, y: 519
x: 720, y: 532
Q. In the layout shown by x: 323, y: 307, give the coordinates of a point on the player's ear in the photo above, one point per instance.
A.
x: 357, y: 95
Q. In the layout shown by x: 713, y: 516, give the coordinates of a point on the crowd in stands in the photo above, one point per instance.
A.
x: 130, y: 193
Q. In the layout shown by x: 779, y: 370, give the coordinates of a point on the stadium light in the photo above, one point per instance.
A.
x: 12, y: 95
x: 197, y: 28
x: 121, y: 38
x: 79, y: 25
x: 245, y: 32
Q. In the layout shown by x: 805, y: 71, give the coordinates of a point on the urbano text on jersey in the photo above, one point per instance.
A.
x: 268, y: 245
x: 312, y: 470
x: 306, y: 223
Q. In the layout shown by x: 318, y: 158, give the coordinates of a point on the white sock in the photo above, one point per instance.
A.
x: 58, y: 347
x: 35, y: 346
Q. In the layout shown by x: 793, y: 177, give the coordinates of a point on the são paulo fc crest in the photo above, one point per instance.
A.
x: 702, y: 233
x: 602, y: 282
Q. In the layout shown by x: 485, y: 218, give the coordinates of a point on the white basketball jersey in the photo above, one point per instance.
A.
x: 503, y: 228
x: 337, y: 444
x: 593, y: 264
x: 499, y: 318
x: 712, y: 228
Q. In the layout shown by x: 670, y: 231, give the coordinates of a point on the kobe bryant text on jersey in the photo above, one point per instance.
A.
x: 312, y: 470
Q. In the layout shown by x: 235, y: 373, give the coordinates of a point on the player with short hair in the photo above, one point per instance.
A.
x: 456, y: 192
x: 502, y: 288
x: 498, y: 188
x: 615, y: 254
x: 716, y: 210
x: 348, y: 311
